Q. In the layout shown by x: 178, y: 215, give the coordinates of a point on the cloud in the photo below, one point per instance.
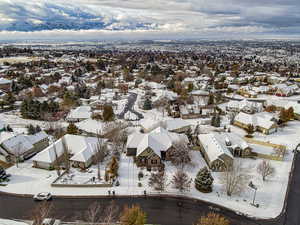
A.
x: 148, y: 18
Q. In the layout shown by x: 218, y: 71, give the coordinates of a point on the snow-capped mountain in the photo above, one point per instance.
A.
x: 19, y: 15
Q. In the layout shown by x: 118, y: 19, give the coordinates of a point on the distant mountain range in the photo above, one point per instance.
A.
x: 22, y: 16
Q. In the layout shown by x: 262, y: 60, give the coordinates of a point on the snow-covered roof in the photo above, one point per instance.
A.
x: 262, y: 119
x: 91, y: 126
x: 5, y: 81
x: 214, y: 146
x: 174, y: 124
x: 81, y: 112
x: 158, y: 140
x: 149, y: 123
x: 295, y: 105
x: 20, y: 144
x: 76, y: 145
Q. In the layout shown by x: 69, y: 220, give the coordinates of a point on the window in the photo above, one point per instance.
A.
x: 153, y: 161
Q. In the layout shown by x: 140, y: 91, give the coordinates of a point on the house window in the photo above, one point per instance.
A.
x: 153, y: 161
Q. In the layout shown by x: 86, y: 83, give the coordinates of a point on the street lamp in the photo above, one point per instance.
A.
x: 251, y: 185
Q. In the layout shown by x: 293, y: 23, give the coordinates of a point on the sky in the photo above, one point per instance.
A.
x: 148, y: 19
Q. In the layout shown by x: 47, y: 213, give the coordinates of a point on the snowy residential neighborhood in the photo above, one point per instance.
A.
x: 213, y: 126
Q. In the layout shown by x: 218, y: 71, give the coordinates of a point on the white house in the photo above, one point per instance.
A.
x: 81, y: 149
x: 79, y: 114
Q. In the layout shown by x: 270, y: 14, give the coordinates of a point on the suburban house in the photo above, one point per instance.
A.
x: 22, y: 146
x: 79, y: 114
x: 81, y: 151
x: 263, y: 122
x: 149, y: 150
x: 189, y: 111
x: 5, y: 85
x: 215, y: 152
x: 177, y: 125
x: 245, y: 106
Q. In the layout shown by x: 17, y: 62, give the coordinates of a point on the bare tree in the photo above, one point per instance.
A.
x: 41, y: 212
x: 180, y: 155
x: 232, y: 116
x: 158, y: 181
x: 265, y: 169
x: 17, y: 153
x: 56, y: 161
x: 100, y: 154
x: 235, y: 178
x: 181, y: 181
x: 162, y: 105
x: 66, y: 155
x: 111, y: 213
x: 93, y: 213
x: 106, y: 215
x: 280, y: 152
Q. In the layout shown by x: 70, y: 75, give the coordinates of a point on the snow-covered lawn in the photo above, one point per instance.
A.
x: 270, y: 194
x: 18, y: 123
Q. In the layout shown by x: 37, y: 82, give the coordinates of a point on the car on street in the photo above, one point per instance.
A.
x: 43, y: 196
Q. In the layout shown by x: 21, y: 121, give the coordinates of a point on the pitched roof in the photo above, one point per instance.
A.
x: 158, y: 140
x: 76, y: 145
x: 214, y: 146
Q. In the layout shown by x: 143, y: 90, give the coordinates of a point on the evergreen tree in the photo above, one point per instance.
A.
x: 31, y: 129
x: 204, y: 180
x: 38, y: 129
x: 147, y: 104
x: 72, y: 129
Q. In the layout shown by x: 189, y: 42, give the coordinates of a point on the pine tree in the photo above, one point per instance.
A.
x: 31, y: 129
x: 204, y: 181
x: 72, y: 129
x: 147, y: 104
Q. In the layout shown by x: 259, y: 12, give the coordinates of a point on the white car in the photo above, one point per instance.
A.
x: 42, y: 196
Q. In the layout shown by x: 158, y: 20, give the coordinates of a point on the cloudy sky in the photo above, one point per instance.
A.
x: 148, y: 19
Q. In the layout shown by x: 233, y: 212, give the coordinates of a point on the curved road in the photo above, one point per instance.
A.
x: 129, y: 107
x: 166, y: 211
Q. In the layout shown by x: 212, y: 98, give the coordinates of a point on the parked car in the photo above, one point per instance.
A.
x: 42, y: 196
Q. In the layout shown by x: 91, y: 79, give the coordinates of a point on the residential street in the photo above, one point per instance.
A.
x: 129, y: 107
x: 166, y: 211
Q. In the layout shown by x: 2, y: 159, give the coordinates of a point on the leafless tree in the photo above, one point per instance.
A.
x: 235, y: 178
x: 17, y: 153
x: 111, y: 213
x: 56, y: 161
x: 41, y: 212
x: 265, y: 169
x: 106, y: 215
x: 180, y: 155
x: 181, y: 181
x: 158, y: 181
x: 280, y: 152
x: 231, y: 117
x: 100, y: 154
x: 66, y: 154
x: 93, y: 213
x: 162, y: 105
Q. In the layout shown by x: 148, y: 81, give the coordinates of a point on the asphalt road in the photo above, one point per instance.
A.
x: 129, y: 107
x: 166, y: 211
